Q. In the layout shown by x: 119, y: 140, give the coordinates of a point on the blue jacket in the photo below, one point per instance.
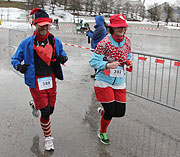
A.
x: 25, y: 52
x: 99, y: 32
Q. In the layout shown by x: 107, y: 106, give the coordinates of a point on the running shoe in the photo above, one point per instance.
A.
x: 93, y: 75
x: 48, y: 143
x: 103, y: 138
x: 35, y: 112
x: 100, y: 109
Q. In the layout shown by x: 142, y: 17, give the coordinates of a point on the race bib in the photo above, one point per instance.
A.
x: 45, y: 83
x: 119, y: 72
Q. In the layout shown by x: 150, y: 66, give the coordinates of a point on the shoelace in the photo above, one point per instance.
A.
x: 49, y: 139
x: 105, y: 136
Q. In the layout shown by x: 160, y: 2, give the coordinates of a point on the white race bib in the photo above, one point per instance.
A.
x: 45, y: 83
x: 119, y: 72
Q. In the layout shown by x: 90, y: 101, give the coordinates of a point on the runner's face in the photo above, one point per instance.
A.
x: 42, y: 30
x: 119, y: 31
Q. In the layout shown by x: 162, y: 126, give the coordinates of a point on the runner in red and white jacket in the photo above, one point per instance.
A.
x: 111, y: 56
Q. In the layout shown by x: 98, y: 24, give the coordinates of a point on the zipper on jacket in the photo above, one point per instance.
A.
x: 114, y: 81
x: 97, y: 72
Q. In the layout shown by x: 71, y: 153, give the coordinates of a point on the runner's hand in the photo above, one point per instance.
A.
x: 61, y: 59
x: 112, y: 65
x: 22, y: 68
x: 88, y: 28
x: 128, y: 62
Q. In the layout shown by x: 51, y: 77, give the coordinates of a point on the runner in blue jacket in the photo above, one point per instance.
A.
x: 98, y: 34
x: 42, y: 54
x: 25, y: 52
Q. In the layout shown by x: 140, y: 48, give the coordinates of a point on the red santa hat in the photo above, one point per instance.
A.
x: 40, y: 17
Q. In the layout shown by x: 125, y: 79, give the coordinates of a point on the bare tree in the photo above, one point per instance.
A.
x: 42, y: 3
x: 142, y: 1
x: 111, y: 6
x: 154, y: 12
x: 92, y: 3
x: 32, y: 4
x: 53, y: 5
x: 103, y: 6
x: 89, y: 5
x: 169, y: 12
x: 127, y: 7
x: 138, y: 9
x: 59, y: 2
x: 142, y: 11
x: 177, y: 11
x: 65, y: 3
x: 118, y: 7
x: 75, y: 5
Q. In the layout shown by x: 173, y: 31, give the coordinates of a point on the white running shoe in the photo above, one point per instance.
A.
x: 35, y: 112
x: 100, y: 109
x: 48, y: 143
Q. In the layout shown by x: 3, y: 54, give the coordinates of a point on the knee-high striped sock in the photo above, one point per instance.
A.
x: 46, y: 126
x: 104, y: 125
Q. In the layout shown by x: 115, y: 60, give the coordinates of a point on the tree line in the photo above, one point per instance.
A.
x: 164, y: 12
x: 132, y: 11
x: 92, y: 7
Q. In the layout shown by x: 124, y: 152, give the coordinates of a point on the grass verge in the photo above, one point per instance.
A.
x: 20, y: 5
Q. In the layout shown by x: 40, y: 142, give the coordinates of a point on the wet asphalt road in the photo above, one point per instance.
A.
x: 147, y: 130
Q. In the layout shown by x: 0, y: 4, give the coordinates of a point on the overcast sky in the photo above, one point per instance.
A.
x: 150, y: 2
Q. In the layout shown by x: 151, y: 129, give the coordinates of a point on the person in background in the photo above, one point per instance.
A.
x: 109, y: 58
x: 97, y: 35
x: 42, y: 54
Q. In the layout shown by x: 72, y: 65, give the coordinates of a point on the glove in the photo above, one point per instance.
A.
x: 61, y: 59
x: 129, y: 64
x: 22, y: 68
x: 129, y: 69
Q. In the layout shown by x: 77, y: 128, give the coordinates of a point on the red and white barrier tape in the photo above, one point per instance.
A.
x: 154, y: 29
x: 4, y: 30
x: 145, y: 28
x: 176, y: 63
x: 87, y: 48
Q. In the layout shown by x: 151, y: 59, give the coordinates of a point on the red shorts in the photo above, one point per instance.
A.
x: 109, y: 94
x: 45, y: 97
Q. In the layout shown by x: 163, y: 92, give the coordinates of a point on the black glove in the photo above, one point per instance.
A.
x: 61, y: 59
x: 22, y: 68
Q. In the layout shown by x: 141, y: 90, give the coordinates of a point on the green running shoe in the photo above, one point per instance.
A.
x: 103, y: 138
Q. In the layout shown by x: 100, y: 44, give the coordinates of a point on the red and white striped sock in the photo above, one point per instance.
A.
x: 46, y: 126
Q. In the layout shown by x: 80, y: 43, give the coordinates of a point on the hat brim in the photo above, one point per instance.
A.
x: 43, y: 23
x: 118, y: 25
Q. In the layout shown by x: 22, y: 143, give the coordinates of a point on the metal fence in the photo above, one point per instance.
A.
x: 155, y: 78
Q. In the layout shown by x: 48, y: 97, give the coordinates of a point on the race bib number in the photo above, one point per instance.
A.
x: 119, y: 72
x: 45, y: 83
